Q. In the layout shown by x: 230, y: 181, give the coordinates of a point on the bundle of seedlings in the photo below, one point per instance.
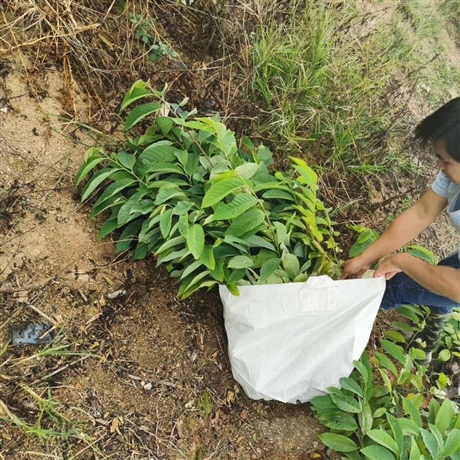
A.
x: 212, y: 210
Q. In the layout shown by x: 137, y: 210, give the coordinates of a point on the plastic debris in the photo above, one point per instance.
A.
x: 33, y: 334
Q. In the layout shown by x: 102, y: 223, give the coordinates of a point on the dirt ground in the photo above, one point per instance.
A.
x: 148, y: 374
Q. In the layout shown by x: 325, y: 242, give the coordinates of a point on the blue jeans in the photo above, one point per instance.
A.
x: 402, y: 290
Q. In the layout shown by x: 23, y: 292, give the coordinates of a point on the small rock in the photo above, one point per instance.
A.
x: 4, y: 110
x: 115, y: 294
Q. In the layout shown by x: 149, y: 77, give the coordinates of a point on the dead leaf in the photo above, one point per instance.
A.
x: 115, y: 425
x: 230, y: 397
x: 244, y: 414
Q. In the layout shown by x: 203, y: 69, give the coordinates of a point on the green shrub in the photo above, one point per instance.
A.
x: 210, y: 210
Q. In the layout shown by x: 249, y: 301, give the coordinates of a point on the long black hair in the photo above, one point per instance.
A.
x: 443, y: 124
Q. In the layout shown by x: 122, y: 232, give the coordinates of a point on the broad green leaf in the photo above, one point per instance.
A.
x: 324, y: 402
x: 127, y: 236
x: 174, y: 255
x: 245, y: 223
x: 165, y: 124
x: 351, y: 385
x: 338, y: 442
x: 167, y: 194
x: 430, y: 442
x: 137, y: 91
x: 395, y: 336
x: 379, y: 390
x: 433, y: 410
x: 412, y: 411
x: 338, y: 421
x: 379, y: 412
x: 291, y: 265
x: 415, y: 453
x: 397, y: 431
x: 113, y: 189
x: 309, y: 176
x: 126, y: 159
x: 139, y: 113
x: 236, y: 275
x: 394, y: 350
x: 444, y: 355
x: 220, y: 190
x: 240, y: 262
x: 191, y: 268
x: 86, y: 168
x: 346, y: 403
x: 377, y: 453
x: 365, y: 239
x: 408, y: 426
x: 111, y: 202
x: 166, y: 222
x: 218, y: 272
x: 281, y: 232
x: 233, y: 289
x: 195, y: 240
x: 386, y: 362
x: 108, y: 227
x: 182, y: 207
x: 247, y: 170
x: 363, y: 371
x: 239, y: 204
x: 386, y: 379
x: 452, y: 444
x: 95, y: 181
x: 177, y: 241
x: 384, y: 439
x: 365, y: 418
x: 278, y: 194
x: 444, y: 416
x: 259, y: 242
x: 207, y: 257
x: 268, y: 268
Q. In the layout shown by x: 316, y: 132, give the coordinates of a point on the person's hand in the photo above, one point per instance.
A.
x: 355, y: 268
x: 390, y: 266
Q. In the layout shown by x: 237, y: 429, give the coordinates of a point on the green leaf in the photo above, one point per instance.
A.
x: 444, y: 355
x: 139, y: 113
x: 207, y: 257
x: 246, y: 222
x: 95, y: 181
x: 126, y: 159
x: 247, y: 170
x: 397, y: 431
x: 451, y: 445
x: 408, y: 426
x: 415, y: 453
x: 433, y: 410
x: 281, y: 232
x: 166, y: 222
x: 165, y: 124
x: 220, y: 190
x: 167, y: 194
x: 364, y: 372
x: 395, y: 336
x: 191, y: 268
x: 365, y: 418
x: 137, y: 91
x: 259, y: 242
x: 240, y: 203
x: 377, y: 453
x: 309, y: 176
x: 346, y: 403
x: 236, y: 275
x: 430, y: 442
x: 291, y: 265
x: 195, y: 240
x: 411, y: 410
x: 386, y: 362
x: 128, y: 235
x: 379, y: 412
x: 86, y: 168
x: 240, y: 262
x: 444, y: 416
x: 384, y: 439
x: 268, y: 268
x: 338, y: 442
x: 113, y: 189
x: 394, y: 350
x: 338, y: 421
x: 178, y: 240
x: 350, y: 385
x: 365, y: 239
x: 108, y: 227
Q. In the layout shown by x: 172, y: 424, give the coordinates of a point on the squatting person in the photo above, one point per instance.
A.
x: 411, y: 281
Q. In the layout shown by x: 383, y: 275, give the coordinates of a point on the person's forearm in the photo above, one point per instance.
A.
x: 402, y: 230
x: 444, y: 281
